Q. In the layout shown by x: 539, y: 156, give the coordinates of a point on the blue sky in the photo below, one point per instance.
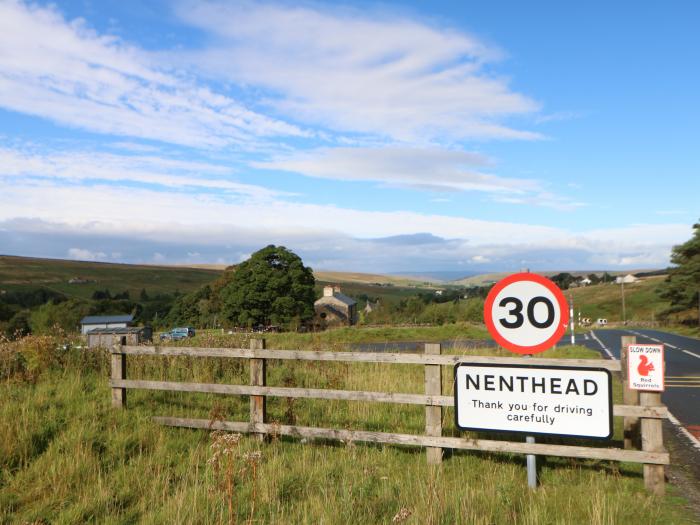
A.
x: 463, y: 136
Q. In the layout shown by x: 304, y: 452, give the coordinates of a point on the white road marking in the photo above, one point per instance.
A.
x: 691, y: 353
x: 671, y: 346
x: 693, y: 440
x: 605, y: 348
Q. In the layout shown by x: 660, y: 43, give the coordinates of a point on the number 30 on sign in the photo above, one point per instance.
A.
x: 526, y: 313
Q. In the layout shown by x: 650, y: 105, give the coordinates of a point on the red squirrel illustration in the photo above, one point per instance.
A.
x: 644, y: 366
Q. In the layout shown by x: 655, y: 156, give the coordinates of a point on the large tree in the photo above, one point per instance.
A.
x: 682, y: 285
x: 273, y: 287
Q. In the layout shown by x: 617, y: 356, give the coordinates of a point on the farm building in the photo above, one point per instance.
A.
x: 105, y: 321
x: 334, y: 309
x: 627, y: 279
x: 108, y: 337
x: 369, y: 307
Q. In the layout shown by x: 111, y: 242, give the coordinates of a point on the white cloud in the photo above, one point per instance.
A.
x: 68, y: 73
x: 423, y: 168
x: 81, y: 254
x: 362, y: 72
x: 330, y: 236
x: 92, y: 167
x: 432, y: 169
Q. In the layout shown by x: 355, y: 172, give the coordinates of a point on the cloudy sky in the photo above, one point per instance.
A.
x: 462, y: 136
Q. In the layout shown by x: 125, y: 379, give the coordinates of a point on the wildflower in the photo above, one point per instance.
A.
x: 401, y: 516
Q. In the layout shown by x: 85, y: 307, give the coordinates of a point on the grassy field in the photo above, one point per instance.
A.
x: 642, y: 303
x: 67, y: 457
x: 315, y: 340
x: 22, y: 273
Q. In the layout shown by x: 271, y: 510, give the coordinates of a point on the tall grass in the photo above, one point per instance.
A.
x: 67, y: 457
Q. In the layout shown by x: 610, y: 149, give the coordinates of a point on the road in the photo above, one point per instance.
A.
x: 682, y: 395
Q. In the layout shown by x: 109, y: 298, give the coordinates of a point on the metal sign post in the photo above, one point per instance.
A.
x: 531, y: 461
x: 531, y: 466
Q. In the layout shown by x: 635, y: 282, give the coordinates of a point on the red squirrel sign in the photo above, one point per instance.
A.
x: 646, y: 367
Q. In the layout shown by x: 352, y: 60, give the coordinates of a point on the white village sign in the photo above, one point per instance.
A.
x: 562, y: 401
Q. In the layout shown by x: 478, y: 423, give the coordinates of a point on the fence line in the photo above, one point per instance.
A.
x: 653, y: 455
x: 359, y: 357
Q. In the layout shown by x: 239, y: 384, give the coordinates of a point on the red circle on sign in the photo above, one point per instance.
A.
x: 533, y: 277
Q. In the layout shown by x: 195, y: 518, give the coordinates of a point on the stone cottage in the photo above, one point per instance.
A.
x: 334, y: 309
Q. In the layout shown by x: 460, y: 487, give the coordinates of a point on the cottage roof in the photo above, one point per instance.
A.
x: 117, y: 330
x: 344, y: 298
x: 104, y: 319
x: 336, y: 297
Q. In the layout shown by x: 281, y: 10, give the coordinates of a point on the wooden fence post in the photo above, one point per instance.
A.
x: 652, y: 441
x: 629, y: 397
x: 433, y: 414
x: 118, y: 373
x: 258, y: 404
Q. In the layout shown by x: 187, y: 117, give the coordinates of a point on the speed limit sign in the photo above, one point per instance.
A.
x: 526, y: 313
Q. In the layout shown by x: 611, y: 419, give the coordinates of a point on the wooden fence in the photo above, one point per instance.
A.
x: 650, y: 412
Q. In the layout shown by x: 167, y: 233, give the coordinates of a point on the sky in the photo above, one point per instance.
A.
x: 374, y: 137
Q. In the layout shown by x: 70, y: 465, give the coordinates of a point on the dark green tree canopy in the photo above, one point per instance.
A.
x: 682, y: 285
x: 273, y: 287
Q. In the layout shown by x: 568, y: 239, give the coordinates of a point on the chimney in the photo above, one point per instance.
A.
x: 327, y: 291
x: 336, y: 288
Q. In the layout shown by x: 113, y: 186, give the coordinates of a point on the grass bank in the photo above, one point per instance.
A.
x: 67, y: 457
x: 344, y: 336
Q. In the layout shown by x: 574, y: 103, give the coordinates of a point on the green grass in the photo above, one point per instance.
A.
x: 642, y: 303
x: 347, y: 335
x: 67, y: 457
x: 22, y: 273
x: 384, y: 294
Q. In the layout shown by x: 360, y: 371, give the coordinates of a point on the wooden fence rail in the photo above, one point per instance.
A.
x: 653, y: 456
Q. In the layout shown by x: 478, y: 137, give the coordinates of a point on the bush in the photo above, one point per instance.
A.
x: 27, y: 358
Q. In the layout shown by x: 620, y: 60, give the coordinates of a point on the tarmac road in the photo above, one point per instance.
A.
x: 682, y: 354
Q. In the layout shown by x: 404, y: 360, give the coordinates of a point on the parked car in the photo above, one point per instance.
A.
x: 177, y: 334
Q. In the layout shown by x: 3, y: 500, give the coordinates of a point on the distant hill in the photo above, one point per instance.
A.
x: 490, y: 278
x: 642, y: 303
x: 81, y: 278
x: 368, y: 278
x: 438, y: 276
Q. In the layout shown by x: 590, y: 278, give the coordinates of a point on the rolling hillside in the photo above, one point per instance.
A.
x: 642, y: 303
x: 55, y: 274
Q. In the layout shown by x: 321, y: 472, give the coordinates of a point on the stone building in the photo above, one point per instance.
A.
x: 334, y: 309
x: 108, y: 337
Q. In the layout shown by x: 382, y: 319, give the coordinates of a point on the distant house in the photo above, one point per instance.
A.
x: 78, y: 280
x: 585, y: 281
x: 108, y: 337
x: 334, y: 309
x: 627, y: 279
x: 369, y: 307
x: 105, y: 321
